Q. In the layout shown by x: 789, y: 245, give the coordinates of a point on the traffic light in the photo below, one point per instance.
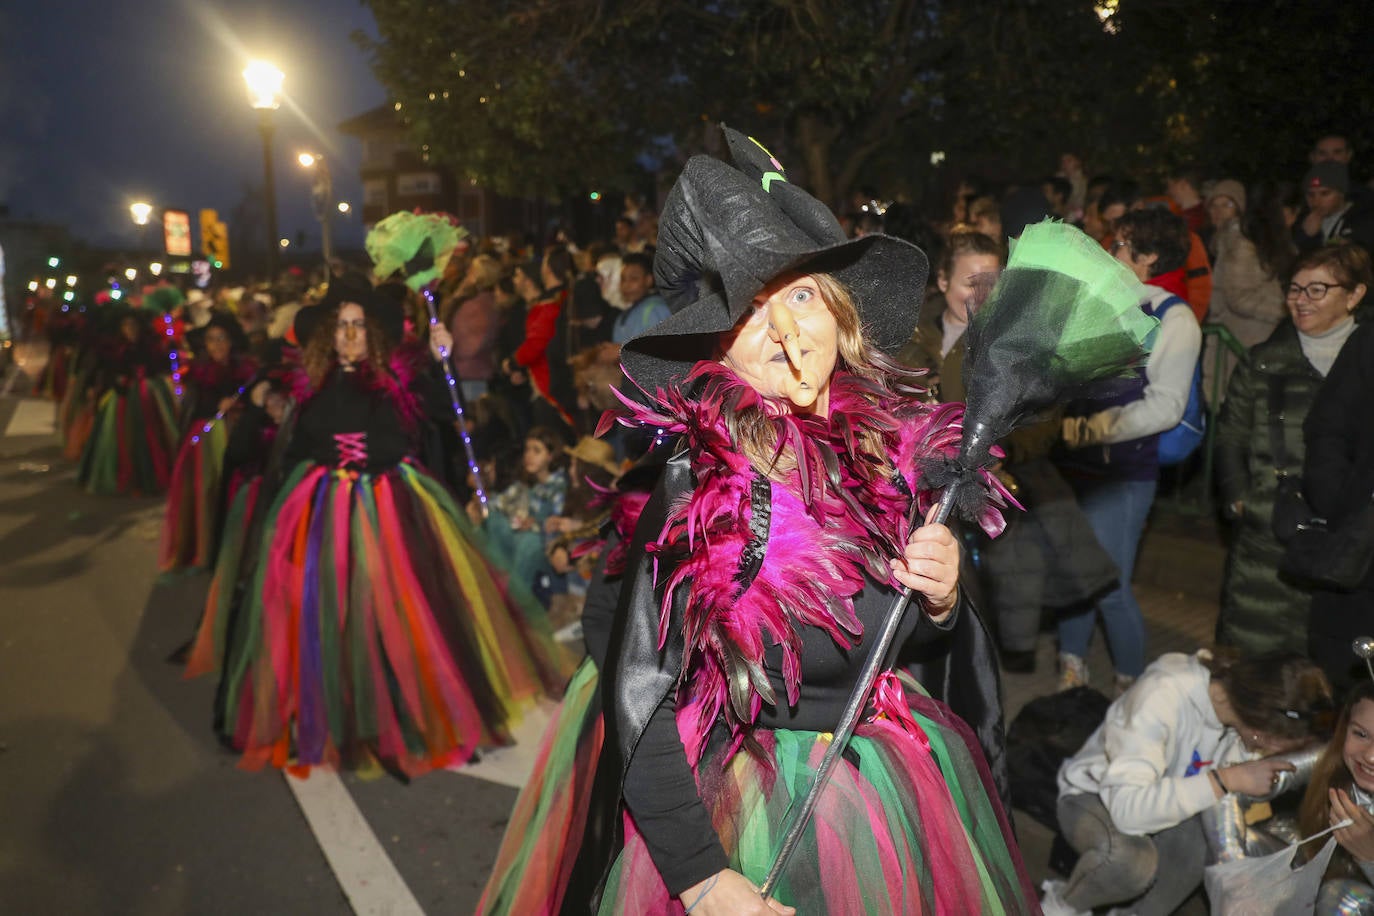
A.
x: 214, y: 239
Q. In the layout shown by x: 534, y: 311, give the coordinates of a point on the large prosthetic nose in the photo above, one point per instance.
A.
x: 802, y: 387
x: 783, y: 331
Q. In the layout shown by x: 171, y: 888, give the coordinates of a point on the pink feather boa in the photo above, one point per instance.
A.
x: 397, y: 382
x: 840, y: 514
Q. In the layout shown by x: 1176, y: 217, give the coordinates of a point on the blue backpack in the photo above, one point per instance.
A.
x: 1178, y: 443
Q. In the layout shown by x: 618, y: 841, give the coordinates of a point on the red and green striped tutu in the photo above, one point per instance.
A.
x: 375, y: 627
x: 912, y: 827
x: 132, y: 442
x: 541, y: 842
x: 75, y: 417
x: 190, y: 524
x: 212, y: 634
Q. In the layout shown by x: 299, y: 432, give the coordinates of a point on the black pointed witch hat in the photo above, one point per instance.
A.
x: 727, y: 230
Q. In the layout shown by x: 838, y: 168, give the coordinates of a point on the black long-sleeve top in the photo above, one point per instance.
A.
x: 660, y: 788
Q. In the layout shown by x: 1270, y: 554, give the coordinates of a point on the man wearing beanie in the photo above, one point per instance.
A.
x: 1330, y: 215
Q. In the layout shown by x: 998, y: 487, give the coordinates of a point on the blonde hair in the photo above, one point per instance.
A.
x: 753, y: 429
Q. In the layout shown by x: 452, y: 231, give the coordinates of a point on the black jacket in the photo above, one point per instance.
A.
x: 957, y: 666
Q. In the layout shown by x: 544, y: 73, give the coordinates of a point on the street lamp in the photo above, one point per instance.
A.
x: 322, y: 199
x: 264, y: 94
x: 344, y: 207
x: 140, y: 211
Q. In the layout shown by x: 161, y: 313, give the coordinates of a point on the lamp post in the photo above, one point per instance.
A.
x: 322, y: 199
x: 264, y: 94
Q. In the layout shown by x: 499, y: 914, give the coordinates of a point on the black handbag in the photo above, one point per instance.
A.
x: 1291, y: 510
x: 1332, y: 558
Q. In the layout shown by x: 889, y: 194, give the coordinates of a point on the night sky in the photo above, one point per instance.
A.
x: 103, y: 102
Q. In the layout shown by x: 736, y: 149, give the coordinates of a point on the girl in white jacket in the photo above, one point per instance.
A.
x: 1190, y: 730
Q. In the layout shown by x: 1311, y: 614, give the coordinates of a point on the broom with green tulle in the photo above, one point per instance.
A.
x: 1063, y: 319
x: 419, y: 245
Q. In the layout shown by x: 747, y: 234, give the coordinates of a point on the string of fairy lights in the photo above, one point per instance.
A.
x: 457, y: 402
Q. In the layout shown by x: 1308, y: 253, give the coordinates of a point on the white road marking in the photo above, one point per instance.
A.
x: 33, y: 417
x: 511, y: 766
x: 365, y: 872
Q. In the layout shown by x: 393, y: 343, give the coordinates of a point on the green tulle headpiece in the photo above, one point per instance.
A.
x: 418, y: 245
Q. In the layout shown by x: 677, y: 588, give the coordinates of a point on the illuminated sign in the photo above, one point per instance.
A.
x: 176, y: 229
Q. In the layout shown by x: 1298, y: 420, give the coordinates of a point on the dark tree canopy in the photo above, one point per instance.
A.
x: 554, y: 97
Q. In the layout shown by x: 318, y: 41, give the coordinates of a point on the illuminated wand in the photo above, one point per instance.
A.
x: 457, y: 402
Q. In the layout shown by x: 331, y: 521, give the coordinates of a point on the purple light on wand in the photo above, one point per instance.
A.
x: 457, y: 407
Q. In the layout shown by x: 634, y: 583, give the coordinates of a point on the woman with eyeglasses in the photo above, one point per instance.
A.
x: 1260, y: 444
x: 1338, y: 474
x: 1190, y: 730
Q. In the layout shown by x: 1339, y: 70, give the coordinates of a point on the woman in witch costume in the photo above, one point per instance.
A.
x: 372, y: 624
x: 759, y: 569
x: 133, y: 439
x: 213, y: 383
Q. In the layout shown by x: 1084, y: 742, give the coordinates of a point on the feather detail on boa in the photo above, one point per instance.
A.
x: 840, y: 514
x: 397, y: 382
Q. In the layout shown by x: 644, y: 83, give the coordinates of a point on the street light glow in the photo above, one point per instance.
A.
x: 71, y: 279
x: 155, y: 268
x: 140, y: 211
x: 344, y: 206
x: 33, y: 286
x: 264, y: 84
x: 50, y: 283
x: 307, y: 159
x: 284, y: 242
x: 130, y: 273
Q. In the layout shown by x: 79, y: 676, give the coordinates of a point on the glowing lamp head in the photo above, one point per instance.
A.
x: 71, y: 279
x: 155, y: 268
x: 307, y: 159
x: 140, y: 211
x: 130, y: 273
x: 50, y: 283
x: 344, y: 206
x: 264, y: 84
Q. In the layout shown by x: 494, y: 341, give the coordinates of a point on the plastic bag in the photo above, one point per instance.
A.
x: 1267, y: 885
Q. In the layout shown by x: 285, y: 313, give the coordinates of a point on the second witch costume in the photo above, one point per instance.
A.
x: 371, y: 623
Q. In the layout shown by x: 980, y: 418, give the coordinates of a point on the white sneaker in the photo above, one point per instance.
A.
x: 1053, y: 903
x: 1073, y: 671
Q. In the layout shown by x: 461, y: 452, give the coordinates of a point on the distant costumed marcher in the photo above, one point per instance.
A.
x: 212, y: 383
x: 132, y: 440
x: 370, y: 623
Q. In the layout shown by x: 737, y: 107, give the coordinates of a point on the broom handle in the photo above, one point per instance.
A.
x: 849, y: 720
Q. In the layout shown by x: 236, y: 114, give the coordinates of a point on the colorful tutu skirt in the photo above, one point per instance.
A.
x: 238, y: 522
x: 908, y: 824
x: 540, y: 847
x: 133, y: 439
x: 52, y: 381
x: 75, y: 417
x: 374, y: 627
x: 190, y: 524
